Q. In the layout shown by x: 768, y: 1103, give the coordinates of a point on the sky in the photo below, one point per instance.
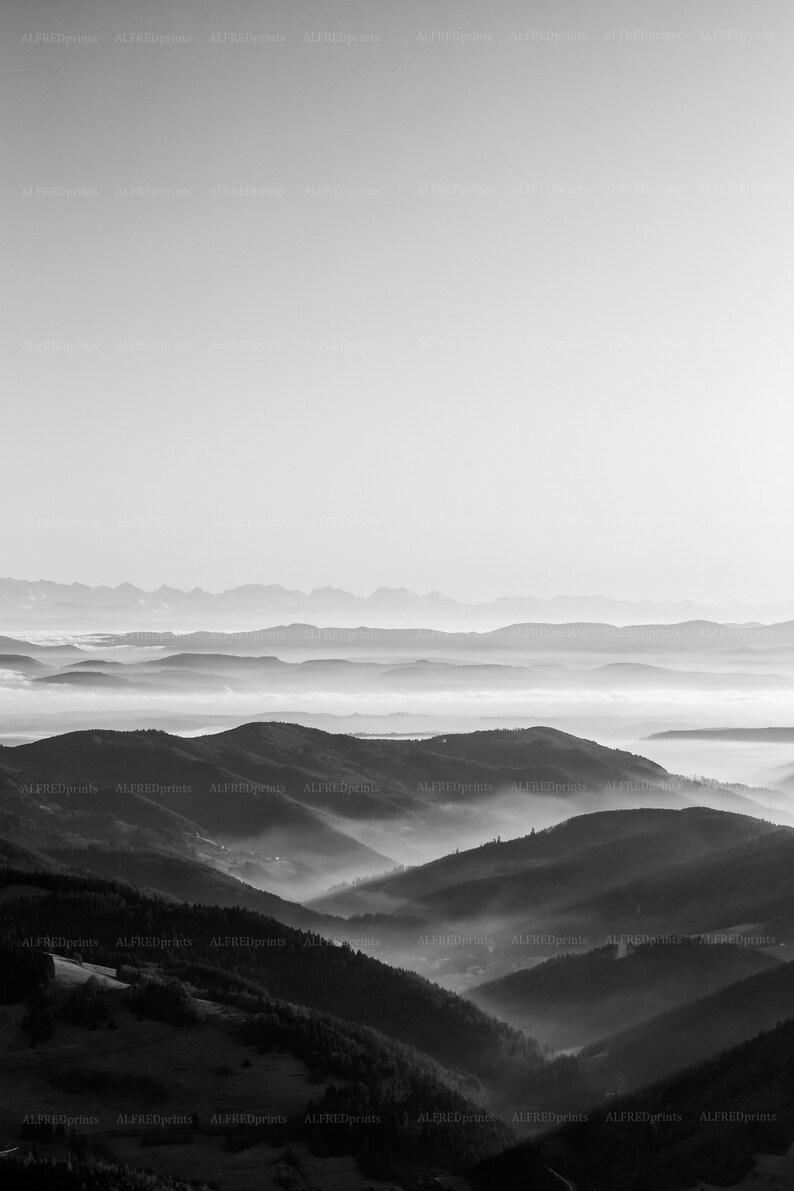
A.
x: 490, y: 299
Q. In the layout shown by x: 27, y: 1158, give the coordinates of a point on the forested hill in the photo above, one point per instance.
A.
x: 703, y: 1125
x: 207, y: 944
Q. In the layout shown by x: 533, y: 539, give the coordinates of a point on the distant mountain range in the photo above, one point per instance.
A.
x: 26, y: 604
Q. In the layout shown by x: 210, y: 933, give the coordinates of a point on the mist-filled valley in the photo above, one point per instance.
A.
x: 466, y: 894
x: 638, y: 687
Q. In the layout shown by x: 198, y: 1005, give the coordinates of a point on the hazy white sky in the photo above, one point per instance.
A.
x: 507, y: 313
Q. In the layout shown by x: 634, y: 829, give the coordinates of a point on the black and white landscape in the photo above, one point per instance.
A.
x: 396, y: 597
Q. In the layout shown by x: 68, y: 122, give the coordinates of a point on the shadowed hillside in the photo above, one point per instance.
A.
x: 575, y: 999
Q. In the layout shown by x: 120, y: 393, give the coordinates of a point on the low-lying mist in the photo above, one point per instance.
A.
x: 621, y: 717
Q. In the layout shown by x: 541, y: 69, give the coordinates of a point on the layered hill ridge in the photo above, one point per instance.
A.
x: 390, y: 666
x: 311, y: 807
x: 126, y: 925
x: 625, y: 877
x: 698, y: 1029
x: 577, y: 998
x: 714, y: 1123
x: 582, y: 856
x: 321, y: 1031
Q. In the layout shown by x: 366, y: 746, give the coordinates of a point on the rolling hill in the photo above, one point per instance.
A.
x: 314, y: 807
x: 574, y: 999
x: 146, y: 1069
x: 704, y: 1125
x: 640, y: 1055
x: 234, y: 945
